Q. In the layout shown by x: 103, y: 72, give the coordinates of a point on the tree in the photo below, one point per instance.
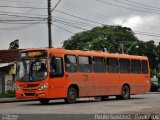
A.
x: 110, y: 37
x: 115, y: 39
x: 14, y: 44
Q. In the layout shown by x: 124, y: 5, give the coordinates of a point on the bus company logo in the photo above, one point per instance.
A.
x: 9, y: 117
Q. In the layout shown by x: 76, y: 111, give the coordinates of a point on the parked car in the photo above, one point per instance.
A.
x: 155, y: 87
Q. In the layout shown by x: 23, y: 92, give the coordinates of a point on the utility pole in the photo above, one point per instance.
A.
x: 49, y: 24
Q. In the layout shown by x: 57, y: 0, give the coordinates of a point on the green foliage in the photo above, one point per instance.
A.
x: 98, y: 38
x: 7, y: 95
x: 14, y: 44
x: 153, y: 72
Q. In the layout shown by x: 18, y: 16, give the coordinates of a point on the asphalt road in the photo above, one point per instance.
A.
x: 138, y: 104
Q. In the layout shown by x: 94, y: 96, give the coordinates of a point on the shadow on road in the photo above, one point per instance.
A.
x: 79, y: 101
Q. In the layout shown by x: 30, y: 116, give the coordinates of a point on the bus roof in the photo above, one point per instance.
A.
x: 87, y: 53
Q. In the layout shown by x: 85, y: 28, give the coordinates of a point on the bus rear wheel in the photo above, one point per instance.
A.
x: 125, y: 94
x: 71, y: 96
x: 43, y: 101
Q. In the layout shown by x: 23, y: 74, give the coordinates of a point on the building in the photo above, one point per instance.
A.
x: 8, y: 60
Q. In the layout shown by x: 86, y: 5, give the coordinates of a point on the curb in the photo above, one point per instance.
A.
x: 8, y: 100
x: 153, y: 93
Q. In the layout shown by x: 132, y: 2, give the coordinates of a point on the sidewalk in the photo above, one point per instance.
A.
x: 7, y: 100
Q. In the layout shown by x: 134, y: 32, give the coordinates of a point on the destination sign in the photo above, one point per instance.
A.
x: 32, y: 54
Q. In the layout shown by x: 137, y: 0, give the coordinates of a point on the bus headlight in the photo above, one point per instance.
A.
x: 43, y: 87
x: 17, y: 88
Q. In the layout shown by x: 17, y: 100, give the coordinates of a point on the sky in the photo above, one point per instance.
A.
x: 26, y: 20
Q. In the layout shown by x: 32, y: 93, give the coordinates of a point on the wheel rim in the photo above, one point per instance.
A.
x: 126, y: 92
x: 72, y: 95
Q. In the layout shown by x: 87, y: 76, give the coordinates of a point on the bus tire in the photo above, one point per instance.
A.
x: 43, y: 101
x: 125, y: 93
x: 71, y: 95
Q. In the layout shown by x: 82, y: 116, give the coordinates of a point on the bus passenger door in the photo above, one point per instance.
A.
x: 57, y: 82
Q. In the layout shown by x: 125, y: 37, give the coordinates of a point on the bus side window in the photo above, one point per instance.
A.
x: 136, y: 66
x: 124, y: 65
x: 112, y: 64
x: 56, y: 67
x: 99, y: 65
x: 85, y: 64
x: 70, y: 63
x: 144, y: 67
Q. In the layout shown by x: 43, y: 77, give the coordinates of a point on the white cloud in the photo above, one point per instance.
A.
x: 137, y: 21
x: 132, y: 21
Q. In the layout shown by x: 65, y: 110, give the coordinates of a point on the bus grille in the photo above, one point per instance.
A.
x: 29, y: 90
x: 29, y: 85
x: 32, y: 85
x: 29, y: 94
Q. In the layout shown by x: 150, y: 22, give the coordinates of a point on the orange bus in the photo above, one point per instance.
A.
x: 56, y: 73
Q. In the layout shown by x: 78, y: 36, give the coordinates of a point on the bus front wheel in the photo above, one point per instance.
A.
x: 43, y: 101
x: 71, y: 95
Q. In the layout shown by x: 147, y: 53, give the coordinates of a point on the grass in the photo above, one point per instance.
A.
x: 8, y: 94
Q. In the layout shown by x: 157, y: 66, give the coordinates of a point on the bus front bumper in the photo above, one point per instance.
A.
x: 39, y: 94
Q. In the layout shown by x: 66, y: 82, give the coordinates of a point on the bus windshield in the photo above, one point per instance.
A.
x: 32, y: 69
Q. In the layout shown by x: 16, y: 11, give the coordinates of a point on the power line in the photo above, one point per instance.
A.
x: 56, y: 5
x: 73, y: 21
x: 16, y: 1
x: 64, y: 21
x: 137, y: 32
x: 18, y: 21
x: 73, y: 26
x: 63, y: 29
x: 21, y: 7
x: 90, y: 13
x: 143, y: 11
x: 86, y: 10
x: 78, y: 17
x: 133, y: 5
x: 22, y: 13
x: 21, y: 27
x: 143, y: 4
x: 21, y: 16
x: 85, y: 29
x: 87, y: 15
